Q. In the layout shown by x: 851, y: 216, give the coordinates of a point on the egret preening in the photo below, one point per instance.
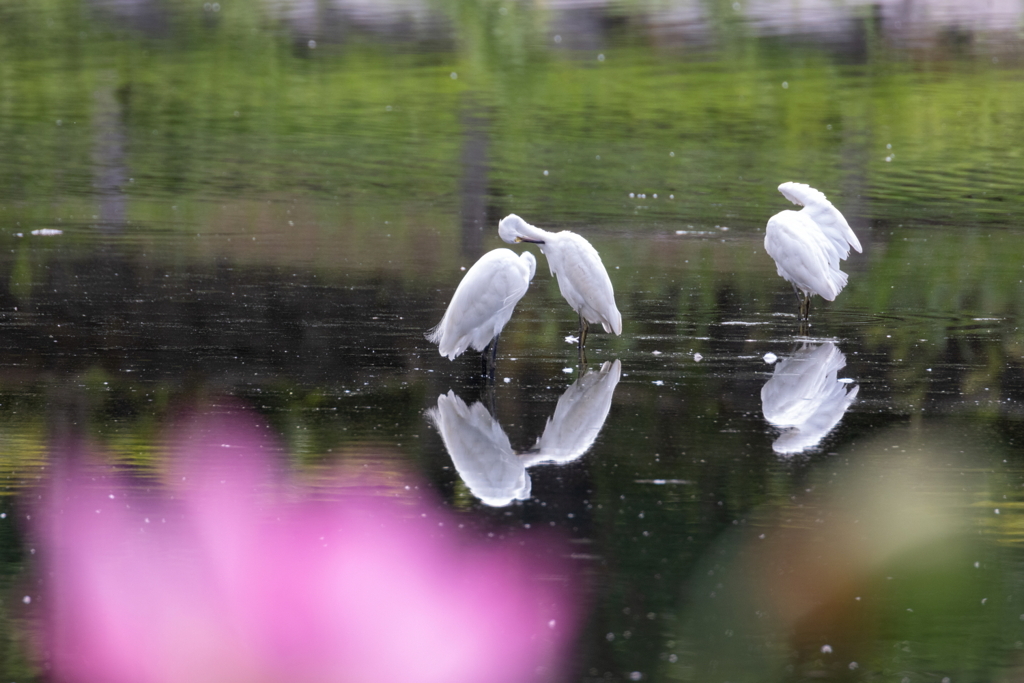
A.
x: 807, y: 245
x: 483, y: 303
x: 582, y: 278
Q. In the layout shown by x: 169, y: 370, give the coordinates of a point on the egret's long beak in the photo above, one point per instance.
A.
x: 527, y: 239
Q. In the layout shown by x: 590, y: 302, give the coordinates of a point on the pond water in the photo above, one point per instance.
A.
x: 266, y: 205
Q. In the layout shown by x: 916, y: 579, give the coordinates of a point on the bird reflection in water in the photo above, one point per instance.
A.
x: 804, y: 397
x: 483, y: 456
x: 230, y: 571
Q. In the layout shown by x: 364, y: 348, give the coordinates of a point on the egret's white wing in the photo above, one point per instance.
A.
x: 578, y: 417
x: 480, y: 451
x: 803, y: 255
x: 827, y: 216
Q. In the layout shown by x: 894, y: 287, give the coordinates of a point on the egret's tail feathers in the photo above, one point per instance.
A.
x: 837, y: 279
x: 451, y: 349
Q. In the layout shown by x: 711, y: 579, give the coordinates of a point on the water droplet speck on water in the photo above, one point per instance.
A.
x: 558, y: 39
x: 507, y: 380
x: 826, y: 649
x: 770, y: 358
x: 609, y: 637
x: 27, y: 599
x: 600, y: 58
x: 853, y: 666
x: 655, y: 353
x: 454, y: 76
x: 658, y: 383
x: 697, y: 357
x: 785, y: 85
x: 636, y: 676
x: 312, y: 45
x: 545, y: 172
x: 567, y: 370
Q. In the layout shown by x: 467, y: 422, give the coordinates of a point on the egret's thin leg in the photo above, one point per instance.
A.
x: 489, y: 357
x: 583, y: 339
x: 799, y: 294
x: 494, y: 356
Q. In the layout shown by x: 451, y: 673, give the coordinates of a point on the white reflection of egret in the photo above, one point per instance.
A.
x: 483, y: 303
x: 804, y: 397
x: 578, y: 418
x: 582, y: 278
x: 807, y: 245
x: 480, y: 449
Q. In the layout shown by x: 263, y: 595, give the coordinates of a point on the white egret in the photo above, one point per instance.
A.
x: 581, y: 275
x: 483, y: 303
x: 807, y: 245
x: 804, y: 397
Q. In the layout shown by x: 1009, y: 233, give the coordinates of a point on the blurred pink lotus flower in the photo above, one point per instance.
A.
x: 232, y: 574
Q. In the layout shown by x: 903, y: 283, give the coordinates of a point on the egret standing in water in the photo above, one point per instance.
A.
x: 581, y: 276
x: 807, y: 245
x: 483, y: 303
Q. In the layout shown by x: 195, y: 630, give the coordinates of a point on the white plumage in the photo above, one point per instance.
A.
x: 581, y: 275
x: 808, y: 245
x: 483, y: 302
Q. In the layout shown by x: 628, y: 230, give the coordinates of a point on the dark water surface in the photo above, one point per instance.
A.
x: 273, y: 203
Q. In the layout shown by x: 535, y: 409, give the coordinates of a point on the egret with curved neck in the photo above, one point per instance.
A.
x: 577, y: 266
